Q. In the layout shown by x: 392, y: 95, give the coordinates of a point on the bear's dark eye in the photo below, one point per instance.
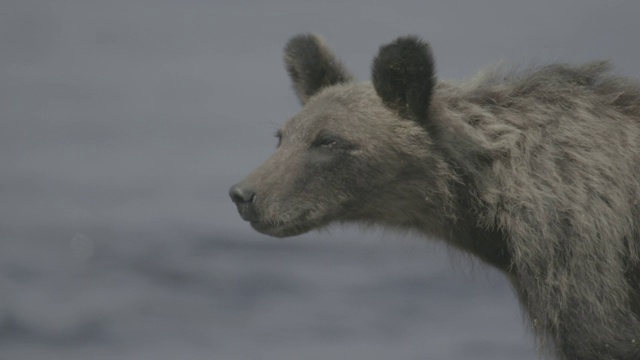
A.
x: 278, y: 135
x: 327, y: 140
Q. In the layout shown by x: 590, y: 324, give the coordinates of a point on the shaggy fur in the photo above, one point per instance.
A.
x: 534, y: 172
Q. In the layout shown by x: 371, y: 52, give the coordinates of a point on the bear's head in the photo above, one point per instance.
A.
x: 356, y: 152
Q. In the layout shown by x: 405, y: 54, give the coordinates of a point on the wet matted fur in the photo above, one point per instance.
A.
x: 535, y: 172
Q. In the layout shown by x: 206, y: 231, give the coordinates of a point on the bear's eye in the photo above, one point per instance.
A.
x: 327, y: 140
x: 278, y: 135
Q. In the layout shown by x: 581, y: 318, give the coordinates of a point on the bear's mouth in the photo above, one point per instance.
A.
x: 281, y: 230
x: 302, y: 224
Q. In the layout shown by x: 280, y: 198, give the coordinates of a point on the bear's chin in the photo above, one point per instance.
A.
x: 281, y: 231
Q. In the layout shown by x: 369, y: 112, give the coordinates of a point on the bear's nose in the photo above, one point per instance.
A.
x: 243, y: 197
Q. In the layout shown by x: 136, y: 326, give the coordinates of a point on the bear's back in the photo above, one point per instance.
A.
x: 564, y: 145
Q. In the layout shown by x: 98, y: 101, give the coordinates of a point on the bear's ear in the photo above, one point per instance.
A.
x: 403, y: 76
x: 312, y: 66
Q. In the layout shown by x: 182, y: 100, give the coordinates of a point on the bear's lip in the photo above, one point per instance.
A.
x: 284, y: 230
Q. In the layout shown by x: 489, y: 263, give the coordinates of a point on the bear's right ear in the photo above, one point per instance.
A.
x: 312, y: 66
x: 403, y: 77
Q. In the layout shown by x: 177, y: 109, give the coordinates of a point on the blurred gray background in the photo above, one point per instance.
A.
x: 124, y: 122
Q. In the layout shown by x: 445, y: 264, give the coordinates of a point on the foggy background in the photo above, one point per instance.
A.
x: 122, y: 125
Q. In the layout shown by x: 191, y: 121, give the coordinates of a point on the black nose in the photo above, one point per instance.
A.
x: 244, y: 197
x: 241, y: 195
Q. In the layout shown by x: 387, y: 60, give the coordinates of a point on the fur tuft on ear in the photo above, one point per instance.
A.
x: 403, y: 76
x: 312, y: 66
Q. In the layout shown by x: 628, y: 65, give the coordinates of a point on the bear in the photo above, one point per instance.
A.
x: 534, y: 171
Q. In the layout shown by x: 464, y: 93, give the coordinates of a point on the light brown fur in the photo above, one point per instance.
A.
x: 535, y: 172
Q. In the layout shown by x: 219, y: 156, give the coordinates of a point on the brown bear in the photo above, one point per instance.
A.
x: 536, y: 172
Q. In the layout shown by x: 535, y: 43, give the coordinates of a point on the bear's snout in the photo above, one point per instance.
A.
x: 243, y: 197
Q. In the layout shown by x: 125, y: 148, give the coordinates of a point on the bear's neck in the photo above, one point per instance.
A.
x: 462, y: 230
x: 486, y: 242
x: 450, y: 211
x: 461, y: 157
